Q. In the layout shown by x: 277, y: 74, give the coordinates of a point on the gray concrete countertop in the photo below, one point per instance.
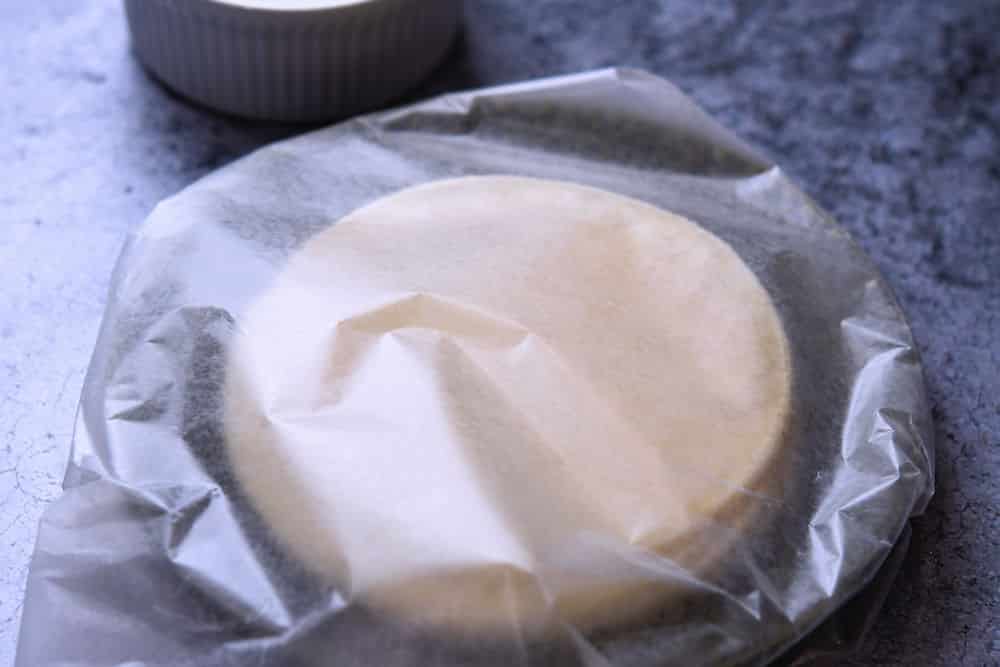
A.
x: 888, y: 113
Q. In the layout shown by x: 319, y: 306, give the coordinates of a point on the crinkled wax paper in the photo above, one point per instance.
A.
x: 155, y: 556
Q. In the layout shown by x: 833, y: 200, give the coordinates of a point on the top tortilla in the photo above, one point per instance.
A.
x: 498, y: 403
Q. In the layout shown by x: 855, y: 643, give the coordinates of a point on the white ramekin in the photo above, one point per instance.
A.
x: 292, y: 60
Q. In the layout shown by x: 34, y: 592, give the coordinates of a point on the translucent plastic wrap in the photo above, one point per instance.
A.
x: 305, y: 443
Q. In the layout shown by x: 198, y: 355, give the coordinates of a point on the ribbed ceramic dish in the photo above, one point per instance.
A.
x: 292, y: 60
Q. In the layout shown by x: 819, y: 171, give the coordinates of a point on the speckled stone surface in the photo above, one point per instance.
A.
x: 888, y: 113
